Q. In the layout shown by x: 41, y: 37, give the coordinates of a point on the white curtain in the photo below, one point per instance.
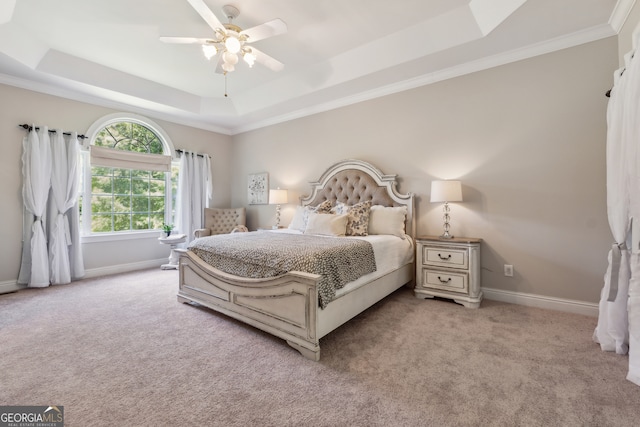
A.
x: 612, y: 330
x: 618, y: 326
x: 631, y: 136
x: 36, y: 176
x: 65, y: 260
x: 194, y: 192
x: 51, y: 243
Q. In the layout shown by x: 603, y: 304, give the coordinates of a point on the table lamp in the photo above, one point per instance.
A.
x: 446, y: 191
x: 277, y: 197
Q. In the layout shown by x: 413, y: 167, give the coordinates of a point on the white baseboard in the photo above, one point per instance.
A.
x: 123, y: 268
x: 540, y: 301
x: 10, y: 286
x: 13, y: 286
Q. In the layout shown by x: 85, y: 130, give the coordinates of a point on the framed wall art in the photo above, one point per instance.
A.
x: 258, y: 188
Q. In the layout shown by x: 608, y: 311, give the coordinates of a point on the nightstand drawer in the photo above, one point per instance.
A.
x: 446, y: 280
x: 452, y: 258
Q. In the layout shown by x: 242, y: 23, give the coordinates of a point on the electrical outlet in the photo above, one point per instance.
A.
x: 508, y: 270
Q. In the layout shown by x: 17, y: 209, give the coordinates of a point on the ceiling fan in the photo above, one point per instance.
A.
x: 231, y: 41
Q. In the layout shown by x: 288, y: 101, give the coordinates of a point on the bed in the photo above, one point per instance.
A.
x: 288, y: 305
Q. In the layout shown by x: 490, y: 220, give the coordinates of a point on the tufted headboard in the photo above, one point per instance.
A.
x: 353, y: 181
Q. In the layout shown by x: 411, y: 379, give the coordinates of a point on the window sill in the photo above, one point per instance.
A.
x: 114, y: 237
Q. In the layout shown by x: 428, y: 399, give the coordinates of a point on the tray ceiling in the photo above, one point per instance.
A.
x: 335, y: 52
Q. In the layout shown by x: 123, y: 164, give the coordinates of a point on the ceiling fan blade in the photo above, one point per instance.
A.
x: 266, y: 60
x: 266, y: 30
x: 183, y: 40
x: 206, y: 14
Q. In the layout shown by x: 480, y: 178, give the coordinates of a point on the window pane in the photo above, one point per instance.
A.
x: 122, y: 173
x: 129, y: 136
x: 98, y: 170
x: 121, y: 222
x: 122, y: 204
x: 100, y: 222
x: 155, y: 146
x: 140, y: 204
x: 140, y: 174
x: 140, y: 221
x: 101, y: 184
x: 157, y: 204
x: 140, y: 186
x: 122, y: 186
x: 102, y: 204
x: 156, y: 221
x: 156, y: 188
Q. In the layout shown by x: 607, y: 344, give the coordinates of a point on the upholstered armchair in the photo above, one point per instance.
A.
x: 222, y: 221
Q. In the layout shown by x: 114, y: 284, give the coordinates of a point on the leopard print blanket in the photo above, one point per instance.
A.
x: 265, y: 254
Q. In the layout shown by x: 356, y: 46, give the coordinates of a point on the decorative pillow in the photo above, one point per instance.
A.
x: 358, y: 214
x: 301, y: 216
x: 387, y: 220
x: 326, y: 224
x: 297, y: 222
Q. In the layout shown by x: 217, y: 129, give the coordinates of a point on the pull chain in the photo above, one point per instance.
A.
x: 225, y: 84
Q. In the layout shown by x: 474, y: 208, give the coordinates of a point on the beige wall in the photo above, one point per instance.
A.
x: 19, y: 106
x: 527, y: 140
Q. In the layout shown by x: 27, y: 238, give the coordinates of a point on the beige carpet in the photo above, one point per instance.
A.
x: 121, y: 351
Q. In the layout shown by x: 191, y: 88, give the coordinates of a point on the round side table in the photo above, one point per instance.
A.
x: 172, y: 240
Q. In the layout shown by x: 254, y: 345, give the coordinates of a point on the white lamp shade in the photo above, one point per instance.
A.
x: 277, y: 196
x: 446, y: 191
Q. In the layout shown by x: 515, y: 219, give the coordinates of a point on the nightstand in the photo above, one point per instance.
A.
x: 449, y: 268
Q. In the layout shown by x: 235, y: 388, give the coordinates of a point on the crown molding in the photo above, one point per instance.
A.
x: 54, y: 90
x: 537, y: 49
x: 620, y: 14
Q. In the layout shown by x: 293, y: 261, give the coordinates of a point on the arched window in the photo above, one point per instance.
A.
x: 130, y: 181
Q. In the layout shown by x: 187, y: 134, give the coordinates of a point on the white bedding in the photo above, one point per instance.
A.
x: 391, y: 252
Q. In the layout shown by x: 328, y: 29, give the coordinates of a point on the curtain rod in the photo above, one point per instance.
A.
x: 608, y: 94
x: 182, y: 151
x: 30, y: 128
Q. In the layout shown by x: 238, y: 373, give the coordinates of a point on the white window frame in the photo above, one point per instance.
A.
x: 168, y: 148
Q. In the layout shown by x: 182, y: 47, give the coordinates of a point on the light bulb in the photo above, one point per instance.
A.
x: 228, y: 67
x: 230, y: 58
x: 209, y: 50
x: 250, y: 59
x: 232, y: 44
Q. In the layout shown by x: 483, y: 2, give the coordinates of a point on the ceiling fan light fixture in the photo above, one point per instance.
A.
x: 232, y: 44
x: 230, y: 58
x: 209, y: 50
x: 230, y: 41
x: 249, y: 58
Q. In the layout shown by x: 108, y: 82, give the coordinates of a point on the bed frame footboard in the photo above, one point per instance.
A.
x: 285, y: 306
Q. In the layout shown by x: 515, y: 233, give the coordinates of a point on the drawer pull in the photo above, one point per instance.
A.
x: 444, y: 258
x: 444, y: 281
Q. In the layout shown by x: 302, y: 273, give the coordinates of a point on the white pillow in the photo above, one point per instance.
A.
x: 326, y: 224
x: 387, y: 220
x: 300, y: 218
x: 297, y: 223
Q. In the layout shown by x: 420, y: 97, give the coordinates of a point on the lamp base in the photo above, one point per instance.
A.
x: 446, y: 235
